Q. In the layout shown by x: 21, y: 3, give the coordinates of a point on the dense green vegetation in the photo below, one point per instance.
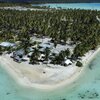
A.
x: 79, y: 64
x: 61, y: 57
x: 7, y: 4
x: 27, y: 5
x: 80, y: 26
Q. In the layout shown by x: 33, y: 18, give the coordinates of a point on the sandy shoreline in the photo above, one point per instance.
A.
x: 33, y: 76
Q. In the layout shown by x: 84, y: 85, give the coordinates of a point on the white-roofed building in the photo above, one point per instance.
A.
x: 67, y: 62
x: 41, y: 57
x: 46, y: 45
x: 7, y: 44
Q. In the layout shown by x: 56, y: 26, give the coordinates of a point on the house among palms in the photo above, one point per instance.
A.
x: 67, y: 62
x: 7, y: 44
x: 42, y: 57
x: 18, y: 55
x: 46, y: 45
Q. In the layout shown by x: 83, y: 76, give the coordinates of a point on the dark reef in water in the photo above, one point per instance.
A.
x: 89, y: 94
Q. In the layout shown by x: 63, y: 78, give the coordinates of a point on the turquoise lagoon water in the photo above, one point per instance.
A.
x: 87, y: 87
x: 93, y: 6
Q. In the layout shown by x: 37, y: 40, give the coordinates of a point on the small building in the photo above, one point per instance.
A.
x: 25, y: 58
x: 30, y: 49
x: 67, y: 62
x: 45, y: 45
x: 18, y: 55
x: 42, y: 50
x: 29, y: 54
x: 42, y: 57
x: 17, y: 59
x: 7, y: 44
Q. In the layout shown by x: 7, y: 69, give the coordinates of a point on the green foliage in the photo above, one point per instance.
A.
x: 34, y: 57
x: 61, y: 57
x: 1, y: 50
x: 47, y: 53
x: 7, y: 4
x: 79, y: 64
x: 81, y: 26
x: 67, y: 53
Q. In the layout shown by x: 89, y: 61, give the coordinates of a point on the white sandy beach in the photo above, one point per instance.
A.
x: 33, y: 75
x: 22, y: 8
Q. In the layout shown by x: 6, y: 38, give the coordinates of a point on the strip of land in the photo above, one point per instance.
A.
x: 44, y: 76
x: 23, y: 8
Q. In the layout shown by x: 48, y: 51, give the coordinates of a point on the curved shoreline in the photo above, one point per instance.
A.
x: 27, y: 83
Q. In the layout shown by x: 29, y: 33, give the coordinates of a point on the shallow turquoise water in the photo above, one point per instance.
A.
x: 92, y: 6
x: 87, y: 87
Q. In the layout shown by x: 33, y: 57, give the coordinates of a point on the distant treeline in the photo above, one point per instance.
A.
x: 51, y: 1
x: 28, y: 5
x: 7, y: 4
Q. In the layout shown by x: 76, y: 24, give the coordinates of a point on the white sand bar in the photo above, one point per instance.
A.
x: 44, y: 76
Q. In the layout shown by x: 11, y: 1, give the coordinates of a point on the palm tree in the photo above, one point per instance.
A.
x: 47, y: 53
x: 67, y: 53
x: 0, y: 50
x: 34, y: 56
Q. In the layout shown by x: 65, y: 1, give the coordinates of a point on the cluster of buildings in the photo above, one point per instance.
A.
x: 19, y: 55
